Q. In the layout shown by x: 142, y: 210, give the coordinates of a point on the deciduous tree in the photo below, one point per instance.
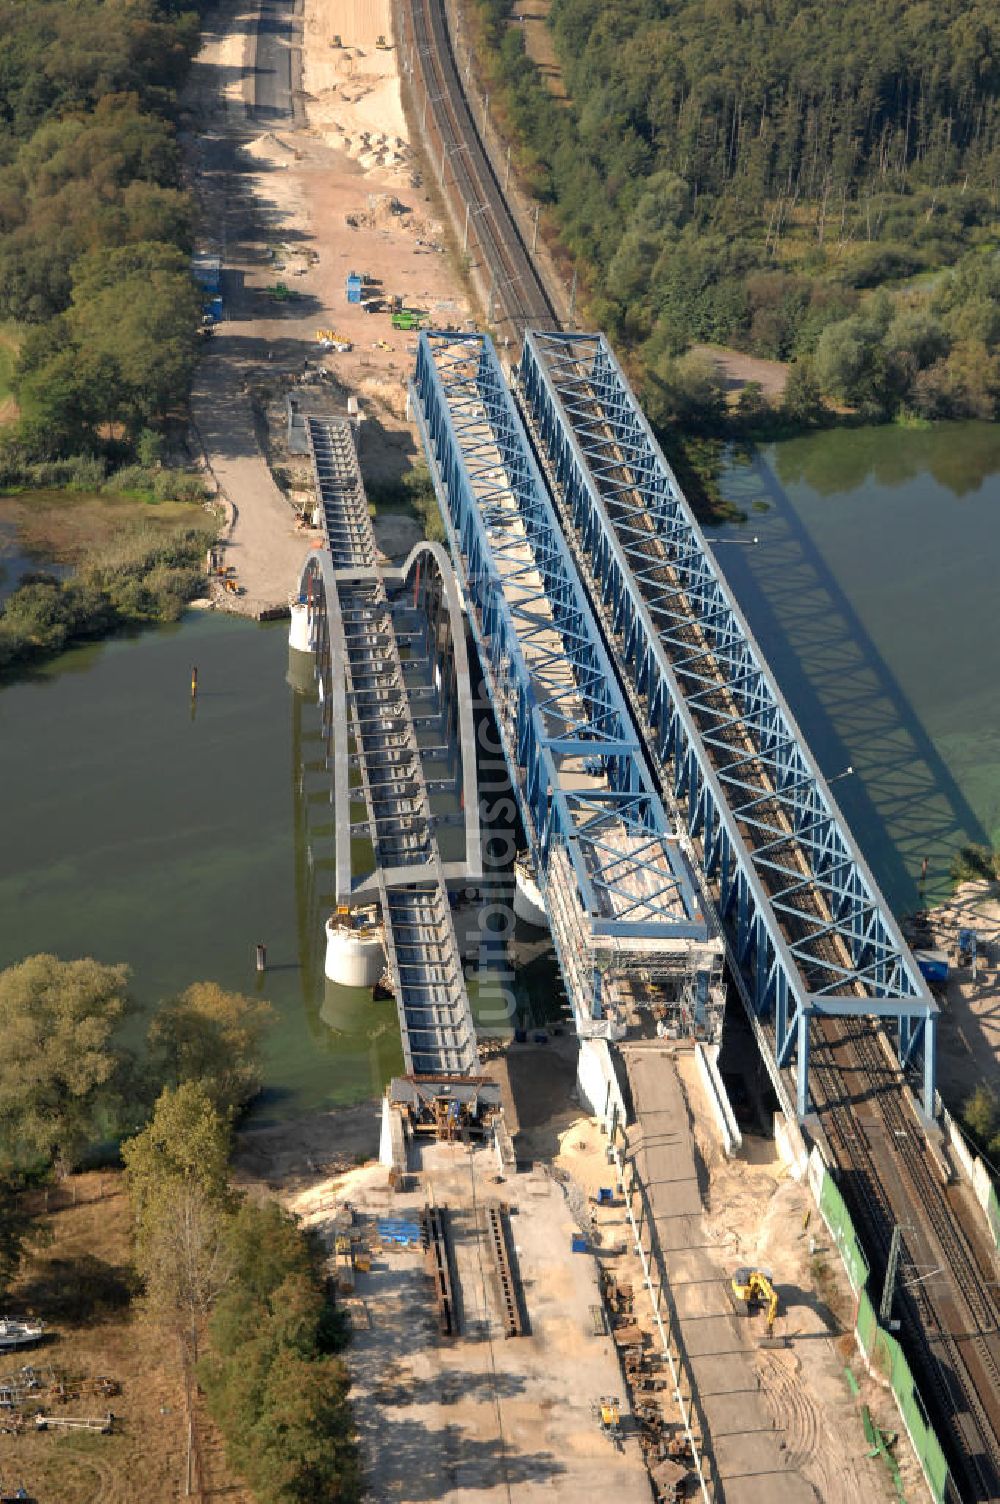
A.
x: 213, y: 1037
x: 58, y: 1062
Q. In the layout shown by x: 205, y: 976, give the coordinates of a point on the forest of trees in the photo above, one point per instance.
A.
x: 808, y: 182
x: 96, y: 228
x: 233, y: 1280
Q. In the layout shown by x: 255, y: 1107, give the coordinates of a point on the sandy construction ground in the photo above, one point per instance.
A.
x: 354, y: 102
x: 969, y: 1029
x: 299, y: 187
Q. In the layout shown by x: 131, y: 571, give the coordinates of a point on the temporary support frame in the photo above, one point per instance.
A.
x: 807, y: 927
x: 559, y: 710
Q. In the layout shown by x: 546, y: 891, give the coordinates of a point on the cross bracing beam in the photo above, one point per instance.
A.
x: 571, y: 746
x: 730, y: 750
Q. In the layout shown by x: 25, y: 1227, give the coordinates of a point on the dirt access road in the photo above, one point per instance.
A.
x: 298, y: 152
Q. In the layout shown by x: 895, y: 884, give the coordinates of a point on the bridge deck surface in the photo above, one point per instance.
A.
x: 749, y: 1455
x: 438, y: 1032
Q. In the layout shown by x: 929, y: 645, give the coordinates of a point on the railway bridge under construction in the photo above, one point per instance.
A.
x: 671, y: 805
x: 673, y: 814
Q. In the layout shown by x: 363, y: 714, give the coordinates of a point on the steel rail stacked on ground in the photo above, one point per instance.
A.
x: 455, y: 146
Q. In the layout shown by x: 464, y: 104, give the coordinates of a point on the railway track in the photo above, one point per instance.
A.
x: 949, y: 1326
x: 952, y: 1319
x: 518, y: 292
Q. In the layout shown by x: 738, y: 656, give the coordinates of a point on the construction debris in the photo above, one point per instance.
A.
x: 101, y: 1424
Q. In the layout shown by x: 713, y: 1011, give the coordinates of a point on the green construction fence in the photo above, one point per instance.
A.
x: 881, y: 1349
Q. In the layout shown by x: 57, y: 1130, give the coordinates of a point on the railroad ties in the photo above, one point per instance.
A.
x: 496, y: 1236
x: 434, y: 1240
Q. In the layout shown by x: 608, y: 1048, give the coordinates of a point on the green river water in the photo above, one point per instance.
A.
x: 133, y: 829
x: 873, y: 591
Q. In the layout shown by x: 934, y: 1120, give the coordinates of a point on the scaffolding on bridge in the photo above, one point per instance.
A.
x: 809, y: 932
x: 623, y: 903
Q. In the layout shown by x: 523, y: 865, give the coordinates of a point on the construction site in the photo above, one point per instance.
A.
x: 570, y: 1267
x: 547, y: 1327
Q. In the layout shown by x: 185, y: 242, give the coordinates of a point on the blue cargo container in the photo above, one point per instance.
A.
x: 933, y: 964
x: 353, y: 288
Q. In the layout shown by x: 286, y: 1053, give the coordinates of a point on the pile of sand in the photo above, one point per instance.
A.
x: 353, y: 100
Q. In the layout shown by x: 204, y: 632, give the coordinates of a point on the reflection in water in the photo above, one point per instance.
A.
x: 960, y: 457
x: 361, y: 1034
x: 847, y: 601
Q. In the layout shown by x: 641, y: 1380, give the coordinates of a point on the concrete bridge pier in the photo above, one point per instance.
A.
x: 301, y: 646
x: 355, y: 949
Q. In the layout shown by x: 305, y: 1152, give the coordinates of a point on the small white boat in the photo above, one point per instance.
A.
x: 19, y: 1333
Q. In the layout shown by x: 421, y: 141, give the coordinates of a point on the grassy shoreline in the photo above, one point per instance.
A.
x: 133, y: 561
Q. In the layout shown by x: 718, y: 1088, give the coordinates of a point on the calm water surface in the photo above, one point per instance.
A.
x: 874, y: 592
x: 135, y: 830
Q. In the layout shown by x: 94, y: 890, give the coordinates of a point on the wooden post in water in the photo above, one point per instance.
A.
x: 194, y: 682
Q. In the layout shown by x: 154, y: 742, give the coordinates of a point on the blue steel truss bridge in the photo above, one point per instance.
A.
x: 670, y: 804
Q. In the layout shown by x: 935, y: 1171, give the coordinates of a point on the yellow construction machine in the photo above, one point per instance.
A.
x: 608, y: 1414
x: 754, y: 1287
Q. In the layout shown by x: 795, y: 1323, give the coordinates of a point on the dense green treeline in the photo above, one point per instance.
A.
x: 806, y: 182
x: 96, y: 226
x: 235, y: 1279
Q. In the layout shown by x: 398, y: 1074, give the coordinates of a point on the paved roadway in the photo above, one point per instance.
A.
x: 263, y: 545
x: 750, y: 1458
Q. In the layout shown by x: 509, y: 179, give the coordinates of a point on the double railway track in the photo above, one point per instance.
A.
x: 518, y: 294
x: 947, y: 1295
x: 949, y: 1311
x: 949, y: 1314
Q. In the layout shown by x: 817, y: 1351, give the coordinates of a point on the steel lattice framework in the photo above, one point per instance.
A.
x: 808, y: 929
x: 571, y: 747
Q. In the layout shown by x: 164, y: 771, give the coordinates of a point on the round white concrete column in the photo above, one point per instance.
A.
x: 355, y: 955
x: 300, y: 630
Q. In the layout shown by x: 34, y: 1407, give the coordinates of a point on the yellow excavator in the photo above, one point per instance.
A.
x: 754, y: 1287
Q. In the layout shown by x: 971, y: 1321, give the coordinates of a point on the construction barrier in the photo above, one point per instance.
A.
x: 882, y: 1352
x: 975, y: 1172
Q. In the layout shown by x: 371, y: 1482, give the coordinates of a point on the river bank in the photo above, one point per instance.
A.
x: 79, y: 567
x: 969, y: 1027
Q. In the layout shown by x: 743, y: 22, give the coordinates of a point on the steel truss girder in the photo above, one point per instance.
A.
x: 496, y: 507
x: 601, y: 453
